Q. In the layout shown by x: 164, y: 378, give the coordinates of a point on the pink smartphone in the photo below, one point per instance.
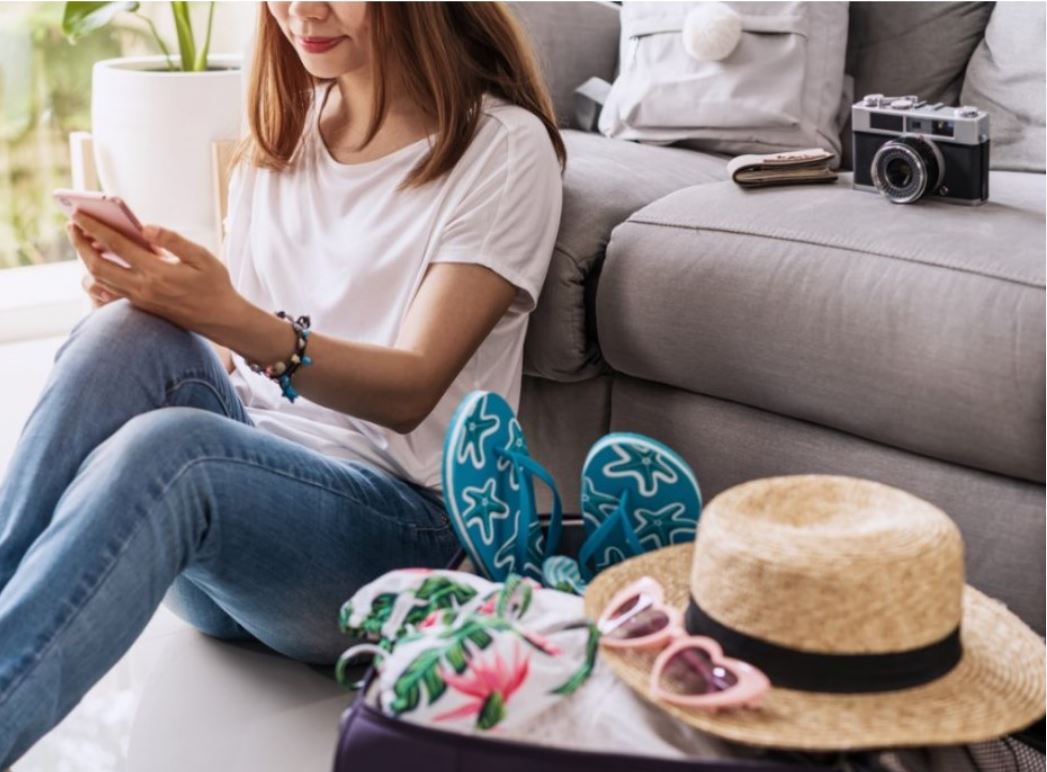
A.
x: 107, y: 209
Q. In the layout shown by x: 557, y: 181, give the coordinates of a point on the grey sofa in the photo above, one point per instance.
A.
x: 812, y: 329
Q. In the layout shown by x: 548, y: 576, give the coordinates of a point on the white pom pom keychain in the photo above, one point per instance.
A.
x: 712, y: 31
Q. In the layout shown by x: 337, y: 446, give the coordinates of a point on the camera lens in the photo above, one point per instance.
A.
x: 907, y: 168
x: 899, y: 173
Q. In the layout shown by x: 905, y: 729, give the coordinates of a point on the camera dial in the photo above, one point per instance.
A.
x: 907, y: 168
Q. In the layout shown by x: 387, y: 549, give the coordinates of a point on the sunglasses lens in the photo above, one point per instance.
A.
x: 643, y: 623
x: 691, y: 672
x: 627, y: 606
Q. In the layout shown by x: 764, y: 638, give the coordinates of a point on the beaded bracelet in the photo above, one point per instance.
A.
x: 281, y: 372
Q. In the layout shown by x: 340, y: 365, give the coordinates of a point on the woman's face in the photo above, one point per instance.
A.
x: 331, y: 38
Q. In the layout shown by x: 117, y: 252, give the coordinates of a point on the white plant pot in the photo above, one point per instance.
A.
x: 153, y: 130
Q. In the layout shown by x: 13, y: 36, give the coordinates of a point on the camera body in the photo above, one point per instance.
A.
x: 906, y: 150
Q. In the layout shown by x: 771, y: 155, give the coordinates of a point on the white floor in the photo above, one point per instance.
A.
x: 177, y: 700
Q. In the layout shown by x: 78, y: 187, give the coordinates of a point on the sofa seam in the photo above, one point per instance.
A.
x: 627, y: 376
x: 849, y: 248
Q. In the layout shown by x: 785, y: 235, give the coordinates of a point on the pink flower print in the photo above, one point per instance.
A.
x: 490, y: 684
x: 430, y: 620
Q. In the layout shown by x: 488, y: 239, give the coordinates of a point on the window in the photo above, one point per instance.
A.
x: 45, y: 94
x: 45, y: 87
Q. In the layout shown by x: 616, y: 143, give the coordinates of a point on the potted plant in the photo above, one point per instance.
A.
x: 155, y: 119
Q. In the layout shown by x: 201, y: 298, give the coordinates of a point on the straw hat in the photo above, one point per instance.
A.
x: 787, y: 570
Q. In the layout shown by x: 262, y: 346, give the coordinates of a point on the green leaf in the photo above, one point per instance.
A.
x: 434, y: 685
x: 201, y: 55
x: 79, y: 19
x: 475, y: 629
x: 184, y: 28
x: 492, y: 712
x: 456, y: 658
x: 407, y: 689
x: 515, y: 595
x: 416, y: 615
x: 381, y: 609
x: 592, y: 645
x: 477, y: 634
x: 443, y: 592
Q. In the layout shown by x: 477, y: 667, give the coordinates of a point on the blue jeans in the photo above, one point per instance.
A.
x: 138, y: 478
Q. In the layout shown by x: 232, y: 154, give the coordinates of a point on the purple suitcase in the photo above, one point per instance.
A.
x: 370, y: 740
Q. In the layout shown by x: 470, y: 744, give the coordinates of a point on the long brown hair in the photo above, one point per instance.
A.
x: 449, y: 55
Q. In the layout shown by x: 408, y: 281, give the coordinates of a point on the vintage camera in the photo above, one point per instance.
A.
x: 907, y: 149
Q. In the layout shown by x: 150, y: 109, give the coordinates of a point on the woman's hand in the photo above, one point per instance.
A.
x: 181, y: 281
x: 98, y: 294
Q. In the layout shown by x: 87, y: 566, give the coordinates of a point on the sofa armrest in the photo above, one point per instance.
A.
x: 605, y: 182
x: 573, y: 42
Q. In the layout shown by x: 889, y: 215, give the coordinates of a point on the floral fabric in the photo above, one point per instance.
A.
x: 466, y: 653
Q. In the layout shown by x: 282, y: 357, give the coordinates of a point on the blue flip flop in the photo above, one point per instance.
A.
x: 637, y: 495
x: 489, y: 490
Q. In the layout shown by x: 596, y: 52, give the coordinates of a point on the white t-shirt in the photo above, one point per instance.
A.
x: 338, y: 242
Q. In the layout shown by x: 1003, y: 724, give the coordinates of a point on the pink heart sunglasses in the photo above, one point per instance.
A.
x: 692, y: 671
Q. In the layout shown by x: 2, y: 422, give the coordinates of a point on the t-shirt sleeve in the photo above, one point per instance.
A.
x: 508, y: 217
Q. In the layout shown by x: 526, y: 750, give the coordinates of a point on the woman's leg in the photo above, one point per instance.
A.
x: 275, y: 533
x: 117, y: 363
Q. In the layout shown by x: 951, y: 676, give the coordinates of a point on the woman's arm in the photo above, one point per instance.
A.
x: 455, y: 309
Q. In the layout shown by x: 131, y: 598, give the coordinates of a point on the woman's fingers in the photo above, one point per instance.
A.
x: 112, y: 240
x: 99, y: 292
x: 92, y: 290
x: 93, y: 282
x: 85, y: 249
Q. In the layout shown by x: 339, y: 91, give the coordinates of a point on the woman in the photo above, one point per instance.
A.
x: 401, y: 188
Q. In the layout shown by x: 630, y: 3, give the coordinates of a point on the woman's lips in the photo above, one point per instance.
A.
x: 318, y: 45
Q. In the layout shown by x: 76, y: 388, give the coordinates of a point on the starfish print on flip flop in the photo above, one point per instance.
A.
x: 684, y: 525
x: 644, y: 464
x: 503, y: 558
x: 611, y: 556
x: 478, y: 428
x: 484, y: 509
x: 593, y: 499
x: 654, y: 524
x: 517, y: 445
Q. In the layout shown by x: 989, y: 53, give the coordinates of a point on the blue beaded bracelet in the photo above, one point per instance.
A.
x: 281, y: 372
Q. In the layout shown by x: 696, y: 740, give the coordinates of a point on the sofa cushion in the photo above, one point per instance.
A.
x: 1002, y: 519
x: 898, y: 48
x: 606, y: 180
x: 1006, y: 78
x: 572, y: 42
x: 917, y: 326
x: 913, y: 47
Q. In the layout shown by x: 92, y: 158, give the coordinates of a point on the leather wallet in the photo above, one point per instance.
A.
x: 788, y: 168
